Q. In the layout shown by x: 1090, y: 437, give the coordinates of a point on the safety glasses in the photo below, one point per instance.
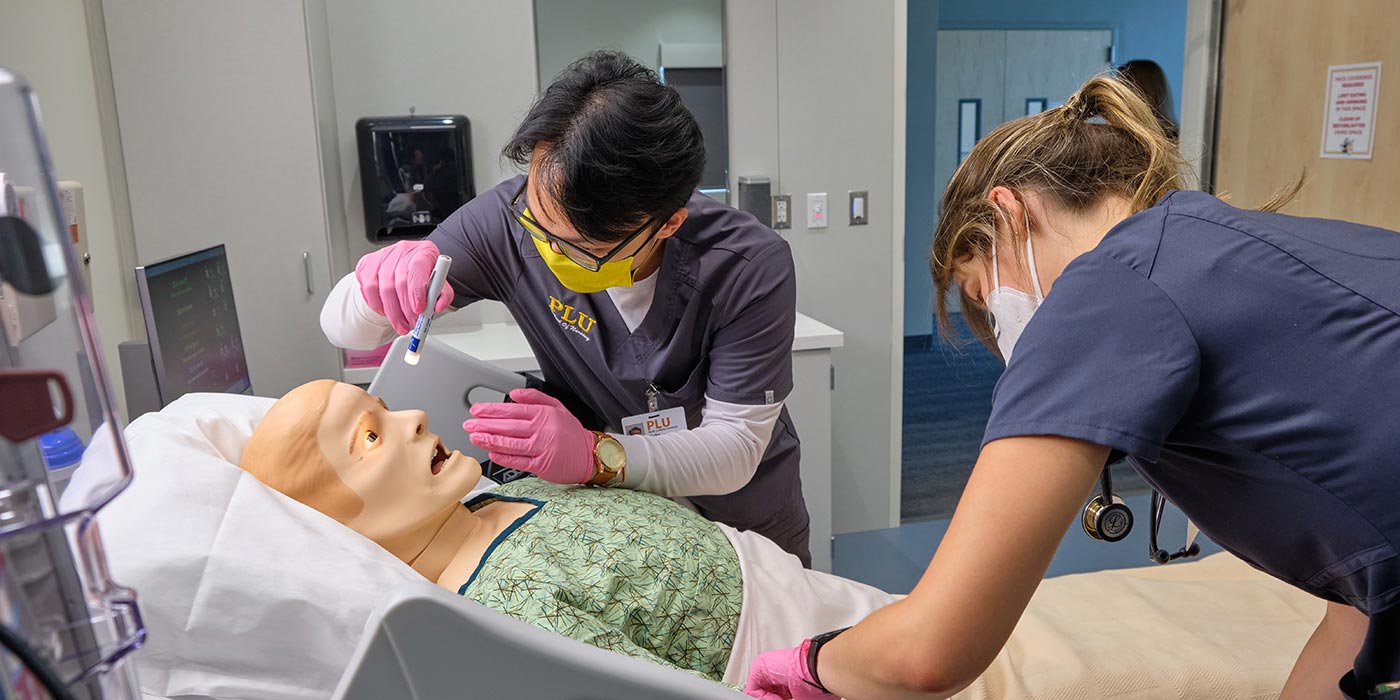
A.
x: 575, y: 254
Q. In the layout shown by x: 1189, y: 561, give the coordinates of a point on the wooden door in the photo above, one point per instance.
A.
x: 1273, y: 92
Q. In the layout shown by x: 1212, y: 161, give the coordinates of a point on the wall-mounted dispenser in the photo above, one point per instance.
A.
x: 414, y: 172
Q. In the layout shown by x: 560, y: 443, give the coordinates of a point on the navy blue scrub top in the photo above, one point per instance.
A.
x: 1249, y: 364
x: 721, y: 325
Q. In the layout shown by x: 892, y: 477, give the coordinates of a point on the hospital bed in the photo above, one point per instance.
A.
x: 248, y: 594
x: 402, y: 656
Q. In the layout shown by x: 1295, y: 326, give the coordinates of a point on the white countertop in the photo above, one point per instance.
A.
x: 503, y: 345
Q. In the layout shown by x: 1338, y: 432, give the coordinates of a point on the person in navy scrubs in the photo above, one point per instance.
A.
x: 1247, y: 362
x: 664, y: 318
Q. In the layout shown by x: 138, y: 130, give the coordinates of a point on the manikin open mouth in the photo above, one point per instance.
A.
x: 440, y: 455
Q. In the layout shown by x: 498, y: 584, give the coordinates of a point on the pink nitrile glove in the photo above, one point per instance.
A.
x: 394, y: 282
x: 535, y: 434
x: 782, y: 675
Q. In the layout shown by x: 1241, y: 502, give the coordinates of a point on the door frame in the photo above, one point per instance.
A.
x: 1200, y: 85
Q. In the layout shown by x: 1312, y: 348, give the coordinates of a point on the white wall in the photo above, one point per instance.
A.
x: 816, y: 103
x: 470, y: 57
x: 219, y: 141
x: 567, y: 29
x: 46, y: 41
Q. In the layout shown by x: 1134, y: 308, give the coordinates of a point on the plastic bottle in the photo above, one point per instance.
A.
x: 63, y: 452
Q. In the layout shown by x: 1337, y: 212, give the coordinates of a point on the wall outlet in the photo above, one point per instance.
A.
x: 782, y: 211
x: 817, y: 212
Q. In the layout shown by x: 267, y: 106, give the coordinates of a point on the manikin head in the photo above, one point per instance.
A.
x: 338, y: 449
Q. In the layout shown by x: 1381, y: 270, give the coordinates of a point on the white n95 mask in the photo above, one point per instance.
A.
x: 1012, y: 309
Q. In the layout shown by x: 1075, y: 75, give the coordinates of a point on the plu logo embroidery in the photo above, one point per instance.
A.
x: 571, y: 319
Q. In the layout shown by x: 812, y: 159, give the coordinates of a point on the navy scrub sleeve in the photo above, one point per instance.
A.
x: 1107, y: 359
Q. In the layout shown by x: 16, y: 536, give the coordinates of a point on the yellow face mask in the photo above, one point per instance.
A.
x: 613, y: 273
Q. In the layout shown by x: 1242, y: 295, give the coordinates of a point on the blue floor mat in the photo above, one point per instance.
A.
x: 947, y: 399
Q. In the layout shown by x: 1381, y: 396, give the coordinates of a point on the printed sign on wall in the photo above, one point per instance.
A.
x: 1350, y: 119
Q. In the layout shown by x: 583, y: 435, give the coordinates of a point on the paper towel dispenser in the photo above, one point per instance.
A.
x: 414, y: 172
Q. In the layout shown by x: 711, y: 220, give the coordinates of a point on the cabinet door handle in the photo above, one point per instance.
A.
x: 306, y: 266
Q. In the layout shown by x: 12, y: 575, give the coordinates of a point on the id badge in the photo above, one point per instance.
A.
x: 655, y: 423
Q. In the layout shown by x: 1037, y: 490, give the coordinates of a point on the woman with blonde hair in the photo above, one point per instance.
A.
x: 1246, y: 362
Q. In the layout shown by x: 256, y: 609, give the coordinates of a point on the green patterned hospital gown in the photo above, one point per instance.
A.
x: 621, y: 570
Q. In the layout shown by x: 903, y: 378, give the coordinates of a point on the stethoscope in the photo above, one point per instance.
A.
x: 1107, y: 518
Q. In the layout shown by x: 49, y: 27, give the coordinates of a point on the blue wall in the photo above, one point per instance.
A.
x: 1151, y: 29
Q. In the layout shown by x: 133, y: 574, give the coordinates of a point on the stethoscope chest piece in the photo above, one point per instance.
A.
x: 1106, y: 517
x: 1107, y: 521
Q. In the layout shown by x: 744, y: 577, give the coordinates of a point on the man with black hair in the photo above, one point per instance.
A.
x: 648, y: 303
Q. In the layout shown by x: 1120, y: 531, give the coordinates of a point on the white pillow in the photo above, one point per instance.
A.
x: 245, y: 593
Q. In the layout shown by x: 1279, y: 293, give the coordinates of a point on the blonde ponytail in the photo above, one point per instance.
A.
x: 1121, y: 106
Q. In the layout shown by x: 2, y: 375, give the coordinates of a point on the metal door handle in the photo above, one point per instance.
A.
x: 306, y: 265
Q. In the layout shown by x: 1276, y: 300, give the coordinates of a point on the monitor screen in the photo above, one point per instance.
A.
x: 192, y: 325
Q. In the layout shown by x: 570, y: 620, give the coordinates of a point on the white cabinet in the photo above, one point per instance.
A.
x: 810, y: 407
x: 219, y: 137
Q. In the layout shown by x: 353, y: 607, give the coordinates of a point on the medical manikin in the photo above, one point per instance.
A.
x: 622, y: 570
x: 65, y: 627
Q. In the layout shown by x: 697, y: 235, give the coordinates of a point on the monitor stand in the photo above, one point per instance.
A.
x: 138, y: 378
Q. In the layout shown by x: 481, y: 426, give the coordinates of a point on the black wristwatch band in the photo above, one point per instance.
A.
x: 816, y: 646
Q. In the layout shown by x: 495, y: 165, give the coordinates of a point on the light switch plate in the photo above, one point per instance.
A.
x: 859, y: 207
x: 817, y: 212
x: 782, y: 211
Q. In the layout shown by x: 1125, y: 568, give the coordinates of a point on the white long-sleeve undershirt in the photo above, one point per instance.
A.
x: 719, y: 456
x: 347, y: 320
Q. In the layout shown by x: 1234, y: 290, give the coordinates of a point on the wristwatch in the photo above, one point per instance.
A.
x: 816, y: 646
x: 609, y: 460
